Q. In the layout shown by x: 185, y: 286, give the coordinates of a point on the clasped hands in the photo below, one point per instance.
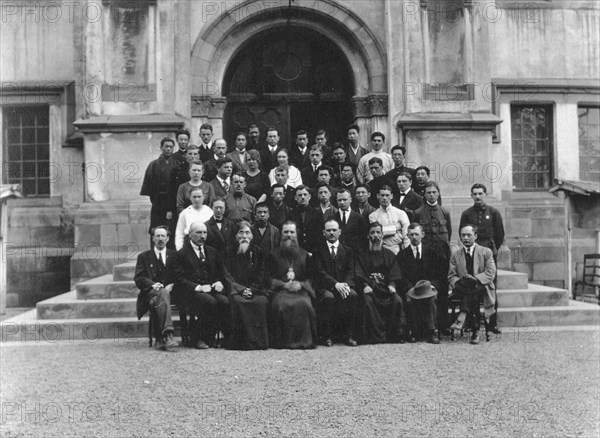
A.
x: 343, y: 289
x: 292, y: 286
x: 158, y: 286
x: 207, y: 288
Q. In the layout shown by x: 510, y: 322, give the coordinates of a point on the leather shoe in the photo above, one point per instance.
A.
x: 433, y: 339
x: 412, y: 340
x: 201, y: 345
x: 328, y: 342
x: 495, y: 330
x: 475, y: 338
x: 351, y: 342
x: 170, y: 341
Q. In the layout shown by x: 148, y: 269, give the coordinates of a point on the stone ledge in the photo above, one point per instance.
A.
x: 449, y: 122
x: 133, y: 123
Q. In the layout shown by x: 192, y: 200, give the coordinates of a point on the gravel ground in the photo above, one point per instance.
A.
x: 522, y: 385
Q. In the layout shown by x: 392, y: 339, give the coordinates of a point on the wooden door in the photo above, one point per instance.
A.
x: 238, y: 116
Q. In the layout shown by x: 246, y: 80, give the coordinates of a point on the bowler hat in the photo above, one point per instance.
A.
x: 423, y: 289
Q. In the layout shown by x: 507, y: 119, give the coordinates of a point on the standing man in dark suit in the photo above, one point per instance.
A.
x: 407, y: 199
x: 153, y: 279
x: 361, y: 205
x: 419, y: 262
x: 200, y: 277
x: 435, y: 220
x: 266, y: 235
x: 210, y: 166
x: 354, y: 151
x: 336, y: 298
x: 311, y: 172
x: 398, y: 153
x: 299, y: 154
x: 309, y: 222
x: 222, y: 182
x: 353, y: 226
x: 253, y: 137
x: 240, y: 156
x: 206, y: 146
x: 268, y: 154
x: 220, y: 230
x: 279, y: 210
x: 157, y: 185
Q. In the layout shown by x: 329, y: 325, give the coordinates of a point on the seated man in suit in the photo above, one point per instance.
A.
x: 152, y: 278
x: 201, y: 281
x: 265, y: 235
x: 289, y: 275
x: 220, y: 229
x: 417, y: 263
x: 377, y: 275
x: 352, y: 224
x: 244, y: 266
x: 336, y: 297
x: 471, y: 277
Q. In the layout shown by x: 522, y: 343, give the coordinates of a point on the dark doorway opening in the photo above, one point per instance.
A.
x: 291, y: 79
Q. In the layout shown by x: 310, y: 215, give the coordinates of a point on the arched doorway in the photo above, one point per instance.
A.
x: 292, y: 79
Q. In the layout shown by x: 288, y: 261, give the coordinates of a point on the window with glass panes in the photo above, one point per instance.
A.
x: 26, y: 151
x: 589, y: 143
x: 531, y: 127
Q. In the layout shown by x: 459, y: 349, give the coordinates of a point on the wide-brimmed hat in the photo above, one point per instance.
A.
x: 423, y: 289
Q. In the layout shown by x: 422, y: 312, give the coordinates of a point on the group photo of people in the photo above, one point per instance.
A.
x: 265, y: 245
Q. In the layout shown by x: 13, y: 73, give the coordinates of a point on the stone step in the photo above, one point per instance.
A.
x: 26, y: 328
x: 67, y: 306
x: 511, y: 280
x: 576, y: 313
x: 124, y: 272
x: 533, y: 296
x: 104, y: 287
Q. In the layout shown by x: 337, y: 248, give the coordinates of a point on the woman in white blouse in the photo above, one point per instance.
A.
x: 194, y: 213
x: 294, y: 177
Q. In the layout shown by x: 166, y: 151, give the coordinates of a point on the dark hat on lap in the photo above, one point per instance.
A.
x: 423, y: 289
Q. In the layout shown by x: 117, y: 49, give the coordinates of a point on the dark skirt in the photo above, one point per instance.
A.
x: 248, y: 323
x: 293, y: 321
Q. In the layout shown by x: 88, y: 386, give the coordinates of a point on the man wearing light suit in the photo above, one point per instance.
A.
x: 471, y: 278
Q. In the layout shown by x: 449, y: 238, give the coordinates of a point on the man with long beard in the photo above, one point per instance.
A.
x: 291, y: 312
x: 384, y: 316
x: 244, y: 273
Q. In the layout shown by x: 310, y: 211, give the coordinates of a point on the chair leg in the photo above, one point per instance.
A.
x: 183, y: 321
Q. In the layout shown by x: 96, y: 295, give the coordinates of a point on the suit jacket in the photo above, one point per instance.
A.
x: 267, y: 241
x: 310, y: 230
x: 298, y: 159
x: 237, y: 163
x: 221, y: 239
x: 147, y: 273
x: 355, y: 158
x: 210, y: 169
x: 189, y: 273
x: 354, y: 231
x: 309, y: 176
x: 366, y: 212
x: 432, y: 267
x: 484, y: 270
x: 205, y: 154
x: 329, y: 272
x: 158, y: 181
x: 267, y: 160
x: 411, y: 202
x: 220, y: 191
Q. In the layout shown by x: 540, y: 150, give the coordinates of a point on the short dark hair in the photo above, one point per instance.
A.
x: 432, y: 184
x: 348, y: 164
x: 363, y: 186
x: 183, y: 132
x: 221, y: 161
x: 241, y: 133
x: 166, y: 140
x: 385, y: 187
x: 337, y: 145
x: 276, y: 186
x: 399, y: 148
x: 301, y: 187
x: 376, y: 160
x: 478, y: 186
x: 273, y: 128
x: 323, y: 167
x: 378, y: 134
x: 301, y: 132
x: 321, y: 132
x: 342, y: 191
x: 425, y: 168
x: 196, y: 162
x: 414, y: 225
x: 206, y: 126
x: 316, y: 147
x: 353, y: 126
x: 468, y: 225
x: 406, y: 175
x: 253, y: 125
x: 159, y: 227
x: 375, y: 224
x: 322, y: 184
x: 261, y: 205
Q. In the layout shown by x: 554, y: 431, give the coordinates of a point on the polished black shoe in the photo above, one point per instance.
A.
x: 495, y: 330
x: 412, y: 340
x: 475, y: 338
x: 201, y: 345
x: 327, y: 342
x: 351, y: 342
x: 433, y: 339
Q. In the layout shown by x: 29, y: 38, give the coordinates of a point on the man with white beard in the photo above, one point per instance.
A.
x: 292, y: 318
x: 385, y: 320
x: 244, y: 272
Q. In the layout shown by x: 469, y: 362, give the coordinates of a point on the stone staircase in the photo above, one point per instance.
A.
x: 104, y: 308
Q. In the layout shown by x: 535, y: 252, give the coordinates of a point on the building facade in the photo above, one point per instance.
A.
x: 500, y: 92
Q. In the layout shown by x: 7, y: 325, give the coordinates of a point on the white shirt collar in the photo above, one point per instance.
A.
x: 162, y: 253
x: 335, y: 245
x: 418, y: 248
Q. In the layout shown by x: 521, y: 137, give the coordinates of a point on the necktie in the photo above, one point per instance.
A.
x: 226, y: 186
x: 201, y: 254
x: 417, y: 252
x: 343, y: 217
x: 333, y: 252
x: 160, y: 261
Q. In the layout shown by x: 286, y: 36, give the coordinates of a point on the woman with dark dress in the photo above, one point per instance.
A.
x: 257, y: 182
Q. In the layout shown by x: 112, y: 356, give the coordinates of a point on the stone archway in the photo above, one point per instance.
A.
x: 217, y: 46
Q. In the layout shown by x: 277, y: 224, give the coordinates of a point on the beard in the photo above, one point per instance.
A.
x: 243, y: 246
x: 375, y: 245
x: 290, y: 248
